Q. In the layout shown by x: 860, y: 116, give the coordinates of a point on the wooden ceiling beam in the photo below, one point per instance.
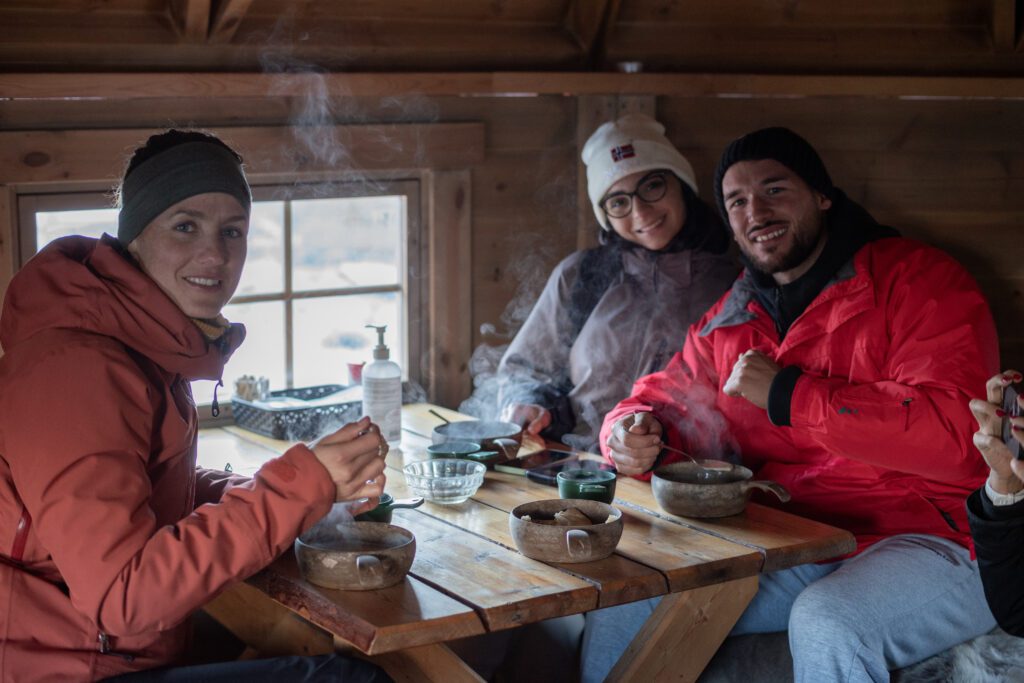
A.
x: 1006, y: 25
x: 191, y: 19
x: 852, y: 50
x: 228, y: 16
x: 363, y: 45
x: 588, y: 23
x: 98, y: 155
x: 131, y: 86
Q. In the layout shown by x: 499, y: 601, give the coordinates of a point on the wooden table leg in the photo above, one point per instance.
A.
x: 426, y: 663
x: 678, y: 640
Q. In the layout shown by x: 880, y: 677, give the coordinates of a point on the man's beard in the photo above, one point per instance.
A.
x: 804, y: 244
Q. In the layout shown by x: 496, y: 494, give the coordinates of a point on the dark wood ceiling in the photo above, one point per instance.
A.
x: 874, y: 37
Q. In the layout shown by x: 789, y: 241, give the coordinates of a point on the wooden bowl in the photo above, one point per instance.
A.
x: 686, y: 489
x: 359, y: 556
x: 567, y: 544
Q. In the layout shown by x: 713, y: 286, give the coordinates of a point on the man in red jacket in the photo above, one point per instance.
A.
x: 840, y: 365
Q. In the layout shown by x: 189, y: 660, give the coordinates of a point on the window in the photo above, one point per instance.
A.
x: 324, y: 261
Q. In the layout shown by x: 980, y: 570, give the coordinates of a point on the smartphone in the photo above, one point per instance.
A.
x: 534, y: 460
x: 548, y: 474
x: 1012, y: 409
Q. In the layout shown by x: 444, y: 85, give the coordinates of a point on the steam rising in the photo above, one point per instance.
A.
x: 332, y: 526
x: 704, y: 427
x: 319, y: 142
x: 530, y: 272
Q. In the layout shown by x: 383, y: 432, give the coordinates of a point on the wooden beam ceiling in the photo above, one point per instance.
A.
x: 227, y: 19
x: 191, y: 19
x: 589, y: 23
x: 132, y: 86
x: 840, y: 37
x: 202, y: 21
x: 1006, y: 25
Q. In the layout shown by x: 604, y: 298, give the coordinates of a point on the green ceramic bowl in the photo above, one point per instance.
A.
x: 464, y: 450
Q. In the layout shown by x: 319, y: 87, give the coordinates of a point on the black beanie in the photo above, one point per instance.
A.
x: 173, y: 175
x: 782, y: 145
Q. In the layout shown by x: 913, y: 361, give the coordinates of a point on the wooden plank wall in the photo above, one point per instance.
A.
x: 949, y: 171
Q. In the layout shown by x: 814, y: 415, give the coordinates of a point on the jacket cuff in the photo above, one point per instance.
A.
x: 553, y: 400
x: 996, y: 513
x: 780, y: 395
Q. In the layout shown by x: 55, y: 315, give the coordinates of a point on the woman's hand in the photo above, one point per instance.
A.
x: 530, y: 416
x: 354, y: 457
x: 634, y: 443
x: 1007, y: 473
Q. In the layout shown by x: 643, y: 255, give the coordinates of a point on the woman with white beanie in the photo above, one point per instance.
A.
x: 612, y: 314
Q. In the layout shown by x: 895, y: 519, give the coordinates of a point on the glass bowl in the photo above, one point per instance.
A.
x: 444, y: 480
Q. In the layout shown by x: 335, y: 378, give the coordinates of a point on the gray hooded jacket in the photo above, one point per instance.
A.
x: 636, y: 327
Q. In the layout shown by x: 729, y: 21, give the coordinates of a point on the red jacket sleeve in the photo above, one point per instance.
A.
x: 211, y: 485
x: 682, y: 397
x: 943, y: 347
x: 87, y: 489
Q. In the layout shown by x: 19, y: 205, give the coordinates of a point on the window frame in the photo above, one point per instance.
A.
x: 413, y: 285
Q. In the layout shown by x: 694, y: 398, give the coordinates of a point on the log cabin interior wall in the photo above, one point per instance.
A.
x: 917, y: 108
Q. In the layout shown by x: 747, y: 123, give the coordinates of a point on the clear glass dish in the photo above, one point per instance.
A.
x: 444, y: 480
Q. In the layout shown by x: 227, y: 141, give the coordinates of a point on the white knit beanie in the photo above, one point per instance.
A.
x: 633, y: 143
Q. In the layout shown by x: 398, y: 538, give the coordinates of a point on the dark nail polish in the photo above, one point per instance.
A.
x: 1018, y: 428
x: 1000, y: 412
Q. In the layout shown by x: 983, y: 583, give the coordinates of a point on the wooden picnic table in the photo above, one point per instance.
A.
x: 469, y: 579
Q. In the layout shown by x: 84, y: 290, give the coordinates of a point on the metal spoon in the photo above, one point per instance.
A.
x: 707, y: 464
x: 439, y: 416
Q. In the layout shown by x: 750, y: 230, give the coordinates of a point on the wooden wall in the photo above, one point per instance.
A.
x: 946, y: 170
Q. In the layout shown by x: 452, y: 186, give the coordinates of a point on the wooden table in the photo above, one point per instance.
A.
x: 468, y: 578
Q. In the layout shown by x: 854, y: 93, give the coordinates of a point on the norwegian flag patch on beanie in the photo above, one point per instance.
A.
x: 622, y: 152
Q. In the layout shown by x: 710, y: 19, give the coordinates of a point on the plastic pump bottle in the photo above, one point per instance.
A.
x: 382, y: 390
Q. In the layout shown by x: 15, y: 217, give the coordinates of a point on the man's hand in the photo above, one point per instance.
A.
x: 530, y: 416
x: 634, y: 443
x: 354, y: 457
x: 1006, y: 472
x: 752, y: 377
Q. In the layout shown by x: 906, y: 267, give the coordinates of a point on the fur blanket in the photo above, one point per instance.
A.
x: 992, y: 658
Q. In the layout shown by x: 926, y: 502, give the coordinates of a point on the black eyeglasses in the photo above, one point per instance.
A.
x: 650, y: 189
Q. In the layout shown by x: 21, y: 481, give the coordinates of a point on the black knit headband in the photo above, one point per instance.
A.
x: 176, y: 174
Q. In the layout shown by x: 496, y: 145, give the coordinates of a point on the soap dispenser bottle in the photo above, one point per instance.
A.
x: 382, y: 391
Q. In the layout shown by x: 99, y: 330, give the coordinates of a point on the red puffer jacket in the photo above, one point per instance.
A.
x: 880, y: 441
x: 103, y: 550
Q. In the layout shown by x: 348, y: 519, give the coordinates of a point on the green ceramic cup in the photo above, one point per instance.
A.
x: 589, y: 484
x: 382, y: 513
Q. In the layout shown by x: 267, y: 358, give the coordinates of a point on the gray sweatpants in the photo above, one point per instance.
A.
x: 902, y: 600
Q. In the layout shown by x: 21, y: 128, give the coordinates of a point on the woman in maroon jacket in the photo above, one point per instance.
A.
x: 109, y: 536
